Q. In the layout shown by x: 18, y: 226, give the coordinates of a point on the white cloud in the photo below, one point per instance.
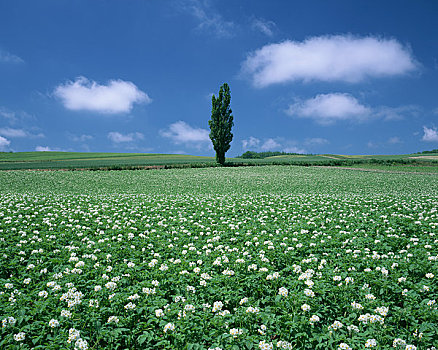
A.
x: 327, y: 108
x: 316, y: 141
x: 81, y: 138
x: 264, y: 26
x: 117, y: 96
x: 182, y: 133
x: 294, y: 149
x: 328, y: 58
x: 209, y: 19
x: 9, y: 132
x: 118, y: 137
x: 47, y: 149
x: 396, y: 113
x: 270, y: 145
x: 4, y: 142
x: 394, y: 140
x: 251, y: 142
x: 430, y: 134
x: 6, y: 57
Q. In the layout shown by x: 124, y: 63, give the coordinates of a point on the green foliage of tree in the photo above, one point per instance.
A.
x: 221, y: 123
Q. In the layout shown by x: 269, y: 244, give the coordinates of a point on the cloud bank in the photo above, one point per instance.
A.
x: 7, y: 57
x: 117, y: 96
x: 4, y: 142
x: 182, y: 133
x: 430, y: 134
x: 328, y: 58
x: 271, y: 144
x: 328, y: 108
x: 118, y: 137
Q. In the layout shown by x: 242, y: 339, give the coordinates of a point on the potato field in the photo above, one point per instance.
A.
x: 219, y: 258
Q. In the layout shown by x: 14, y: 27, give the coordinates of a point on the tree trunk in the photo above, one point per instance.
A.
x: 220, y: 158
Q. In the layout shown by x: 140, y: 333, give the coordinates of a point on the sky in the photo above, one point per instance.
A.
x: 328, y: 76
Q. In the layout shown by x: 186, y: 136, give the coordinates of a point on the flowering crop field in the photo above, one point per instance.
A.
x: 219, y: 258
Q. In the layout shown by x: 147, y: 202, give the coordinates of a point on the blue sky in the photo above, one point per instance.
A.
x: 345, y: 77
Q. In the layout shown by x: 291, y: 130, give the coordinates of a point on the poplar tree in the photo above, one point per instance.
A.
x: 221, y: 123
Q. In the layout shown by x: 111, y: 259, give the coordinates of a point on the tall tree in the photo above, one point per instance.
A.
x: 221, y: 123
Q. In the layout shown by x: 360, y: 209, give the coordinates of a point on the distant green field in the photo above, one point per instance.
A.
x: 117, y: 161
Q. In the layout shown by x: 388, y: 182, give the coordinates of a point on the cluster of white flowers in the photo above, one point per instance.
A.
x: 335, y: 326
x: 19, y: 336
x: 235, y: 332
x: 217, y: 306
x: 371, y: 343
x: 283, y: 292
x: 53, y: 323
x: 314, y: 319
x: 368, y: 318
x: 344, y: 346
x: 113, y: 319
x: 263, y: 345
x: 169, y: 327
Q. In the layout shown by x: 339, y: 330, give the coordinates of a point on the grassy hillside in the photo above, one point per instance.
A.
x: 116, y: 161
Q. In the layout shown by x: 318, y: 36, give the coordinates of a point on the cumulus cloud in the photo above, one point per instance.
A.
x: 328, y: 58
x: 182, y: 133
x: 10, y: 132
x: 394, y: 140
x: 4, y: 142
x: 118, y: 137
x: 294, y: 149
x: 264, y: 26
x: 430, y: 134
x: 396, y: 113
x: 270, y: 145
x: 316, y: 141
x: 47, y: 149
x: 328, y: 108
x: 81, y: 138
x: 209, y: 20
x: 7, y: 57
x: 16, y: 133
x: 252, y: 142
x: 117, y: 96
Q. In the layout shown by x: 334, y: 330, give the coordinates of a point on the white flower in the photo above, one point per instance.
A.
x: 97, y: 288
x: 356, y: 305
x: 336, y: 325
x: 53, y: 323
x: 113, y: 319
x: 305, y: 307
x: 382, y: 310
x: 283, y: 292
x: 130, y: 306
x: 344, y: 346
x: 65, y: 313
x: 243, y: 301
x: 309, y: 293
x: 81, y: 344
x: 370, y: 343
x: 430, y: 275
x: 314, y: 319
x: 217, y: 306
x: 263, y: 345
x: 235, y: 332
x: 19, y: 336
x: 159, y: 313
x: 169, y: 326
x: 43, y: 294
